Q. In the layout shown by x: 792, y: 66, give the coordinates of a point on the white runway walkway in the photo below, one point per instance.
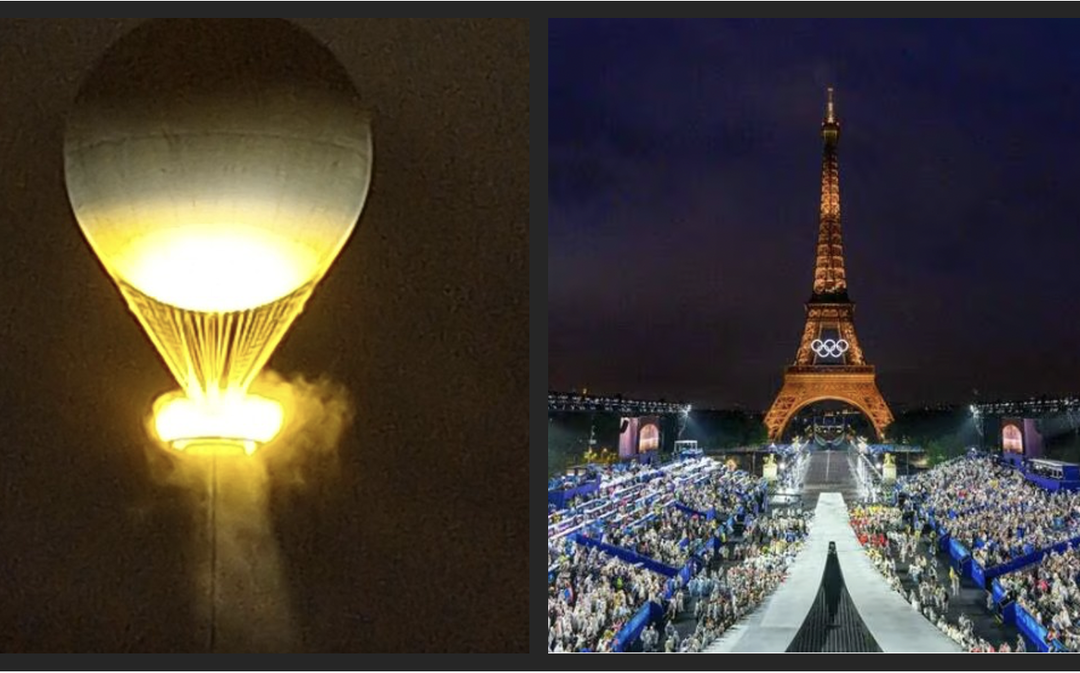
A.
x: 892, y: 621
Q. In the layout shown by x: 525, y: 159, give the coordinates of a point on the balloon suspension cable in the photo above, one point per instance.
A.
x: 213, y: 554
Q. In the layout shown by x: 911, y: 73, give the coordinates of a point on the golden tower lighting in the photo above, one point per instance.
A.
x: 217, y: 168
x: 829, y: 364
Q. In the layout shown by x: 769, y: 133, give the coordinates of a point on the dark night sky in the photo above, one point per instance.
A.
x: 423, y: 318
x: 684, y: 187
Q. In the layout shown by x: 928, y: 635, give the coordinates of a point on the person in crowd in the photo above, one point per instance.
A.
x: 1051, y: 636
x: 649, y: 638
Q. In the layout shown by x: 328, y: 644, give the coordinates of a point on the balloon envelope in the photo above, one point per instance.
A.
x: 217, y: 165
x: 216, y: 169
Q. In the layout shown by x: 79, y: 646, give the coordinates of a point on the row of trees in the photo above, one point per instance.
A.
x: 943, y: 433
x: 726, y: 428
x: 948, y: 433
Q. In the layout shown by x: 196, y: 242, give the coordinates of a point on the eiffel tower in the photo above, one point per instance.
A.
x: 829, y: 364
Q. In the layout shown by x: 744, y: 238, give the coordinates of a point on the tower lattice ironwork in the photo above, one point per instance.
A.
x: 829, y: 364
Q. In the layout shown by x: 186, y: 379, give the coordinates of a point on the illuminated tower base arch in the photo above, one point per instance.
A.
x: 829, y: 364
x: 805, y: 386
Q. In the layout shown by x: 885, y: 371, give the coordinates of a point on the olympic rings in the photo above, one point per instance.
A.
x: 829, y: 348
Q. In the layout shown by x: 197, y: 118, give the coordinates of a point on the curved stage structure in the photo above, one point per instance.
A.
x: 833, y: 624
x: 890, y: 620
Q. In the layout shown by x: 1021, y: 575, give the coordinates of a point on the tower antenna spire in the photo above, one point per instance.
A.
x: 830, y: 282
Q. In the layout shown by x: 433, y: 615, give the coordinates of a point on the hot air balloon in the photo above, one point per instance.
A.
x: 216, y: 169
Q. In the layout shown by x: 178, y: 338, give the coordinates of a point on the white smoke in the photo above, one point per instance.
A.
x: 240, y: 583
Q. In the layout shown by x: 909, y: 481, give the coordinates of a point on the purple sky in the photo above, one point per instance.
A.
x: 683, y: 187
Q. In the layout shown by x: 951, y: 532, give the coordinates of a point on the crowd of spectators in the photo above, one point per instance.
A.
x: 758, y: 564
x: 993, y: 510
x: 1049, y: 592
x: 669, y: 536
x: 989, y: 508
x: 609, y: 479
x: 887, y: 539
x: 625, y: 496
x: 657, y: 513
x: 592, y: 595
x: 723, y: 490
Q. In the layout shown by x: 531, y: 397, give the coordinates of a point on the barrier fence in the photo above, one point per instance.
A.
x: 627, y: 555
x: 1051, y: 484
x: 961, y: 557
x: 983, y: 575
x: 1008, y: 608
x: 560, y: 497
x: 1036, y: 632
x: 709, y: 515
x: 631, y: 631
